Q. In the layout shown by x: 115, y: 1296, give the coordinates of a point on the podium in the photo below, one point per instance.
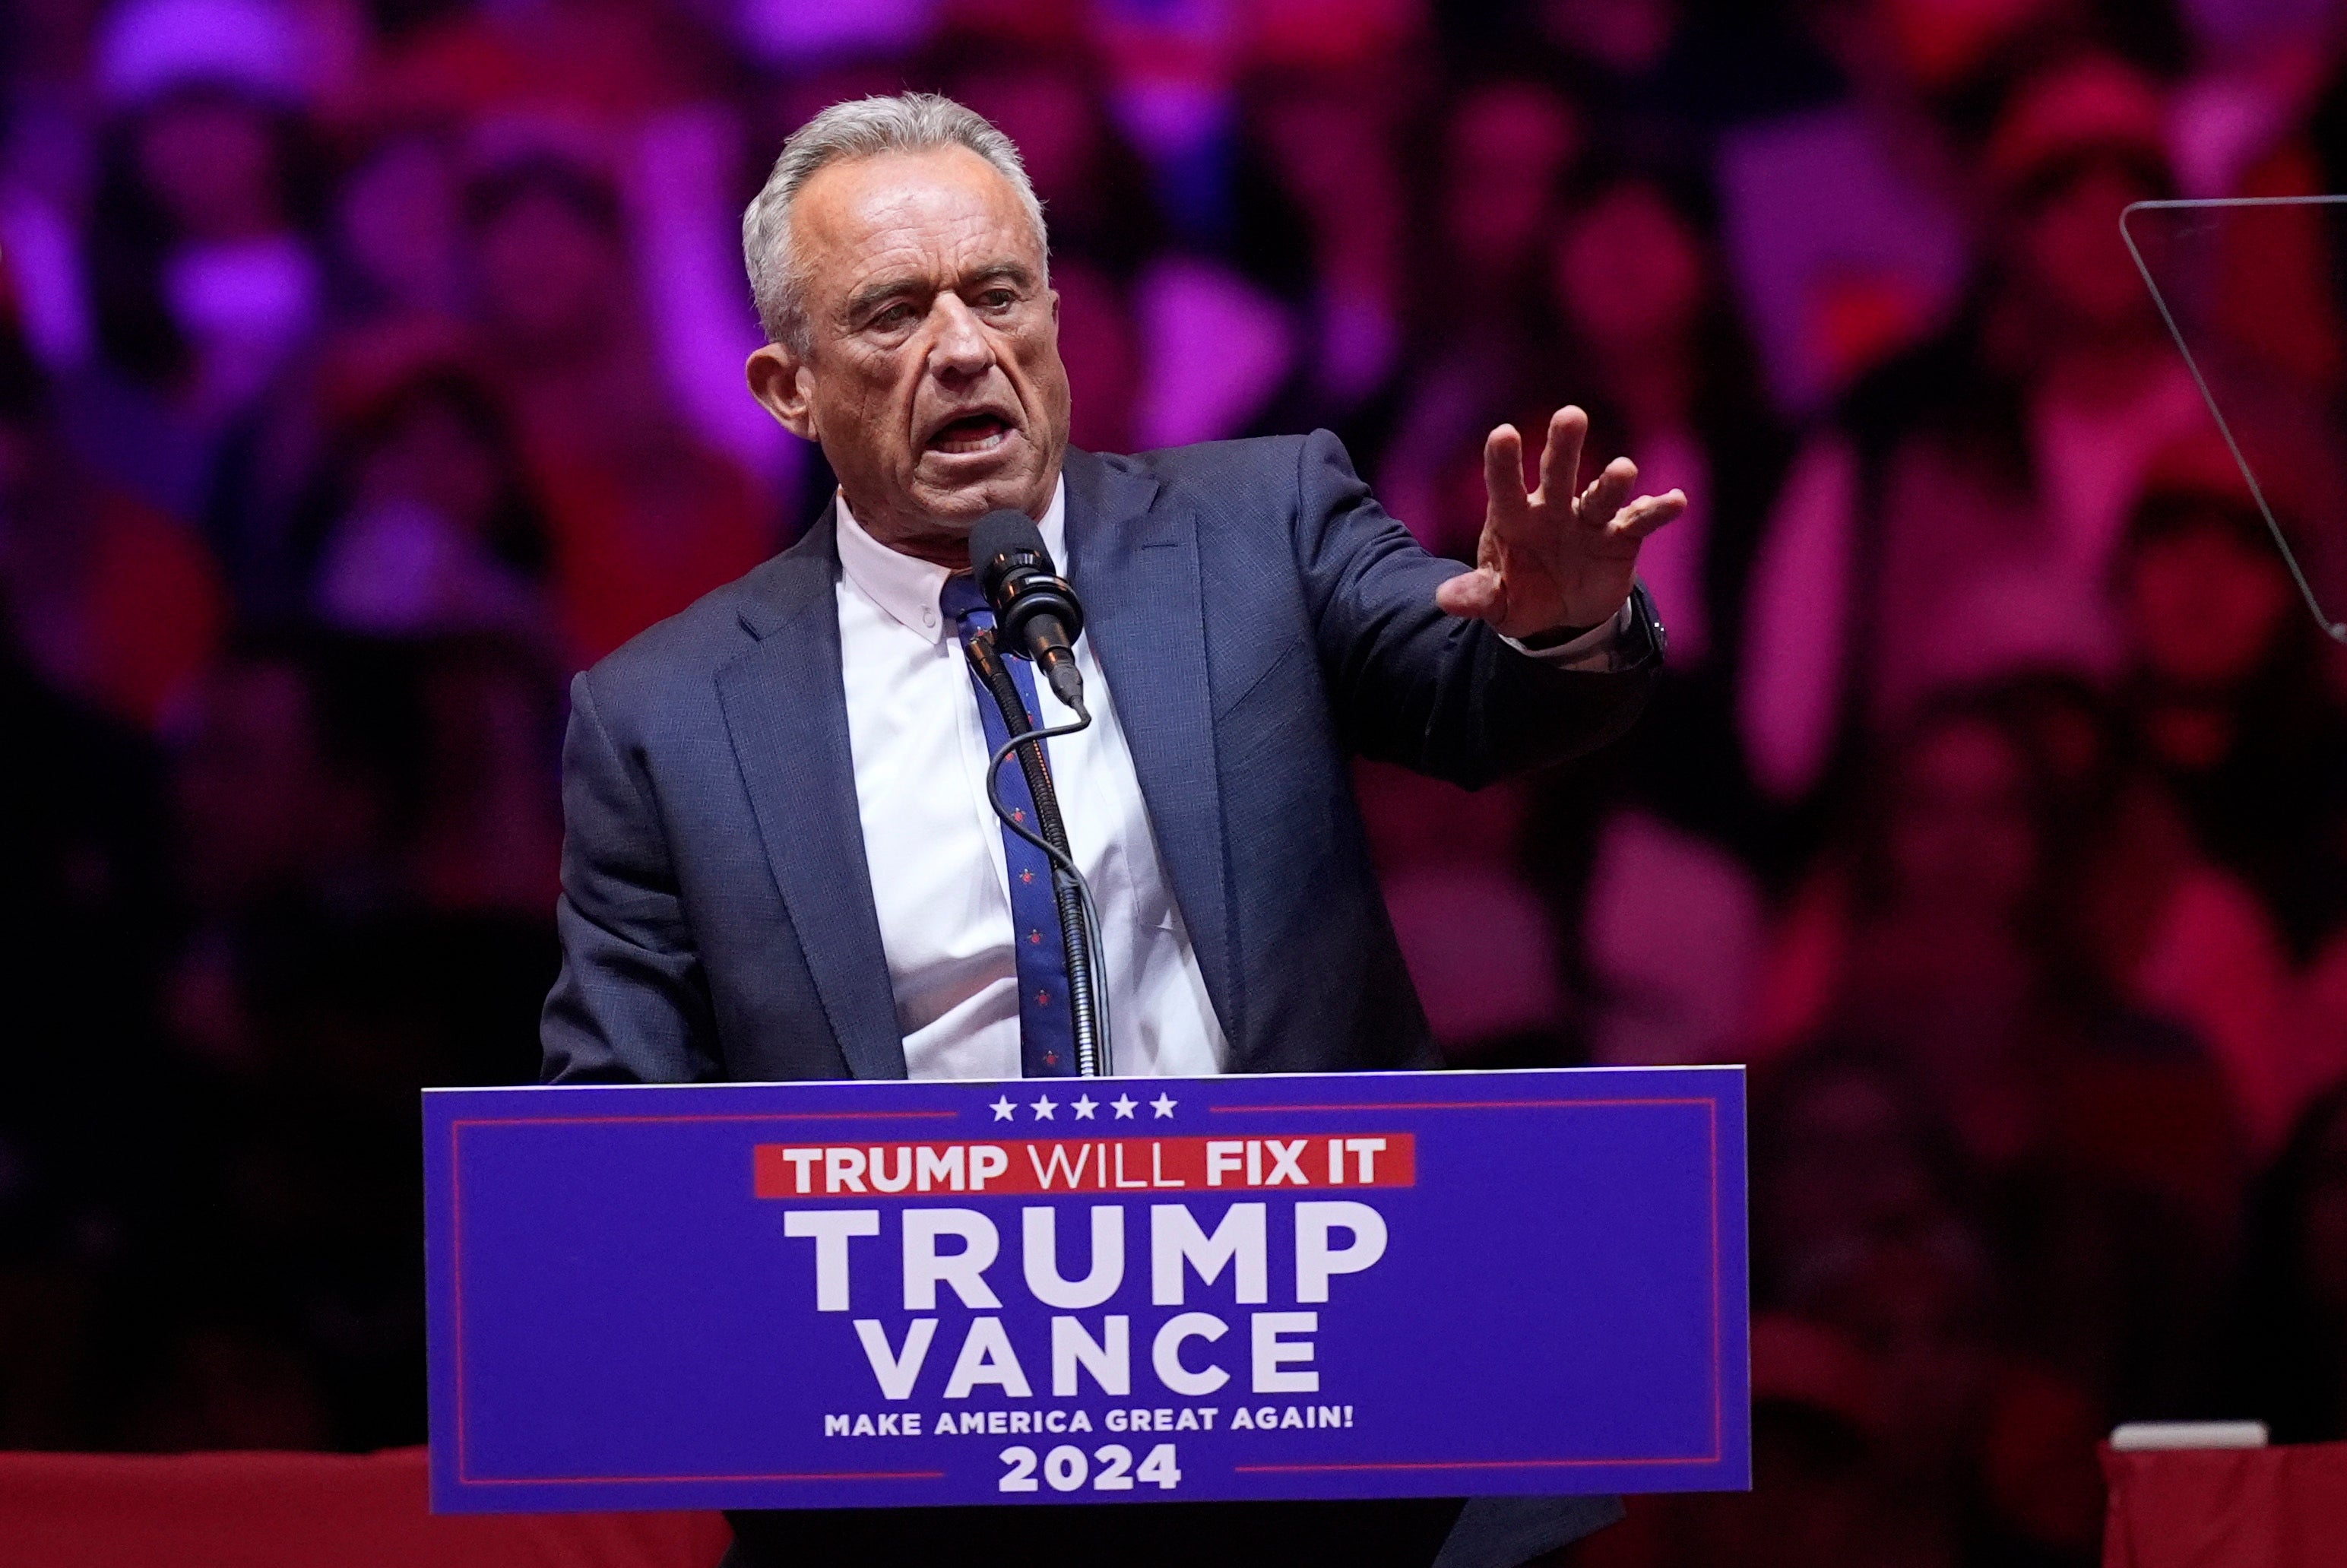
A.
x: 1087, y: 1291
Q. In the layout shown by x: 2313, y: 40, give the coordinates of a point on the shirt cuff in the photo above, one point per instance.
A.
x: 1603, y: 647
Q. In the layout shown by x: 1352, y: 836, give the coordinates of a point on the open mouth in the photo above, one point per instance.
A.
x: 980, y: 432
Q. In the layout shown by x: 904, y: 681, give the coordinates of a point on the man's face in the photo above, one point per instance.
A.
x: 933, y: 379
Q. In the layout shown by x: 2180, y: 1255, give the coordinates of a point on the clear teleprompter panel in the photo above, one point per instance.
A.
x: 2254, y: 291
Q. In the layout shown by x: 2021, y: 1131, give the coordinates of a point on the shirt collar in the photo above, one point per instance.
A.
x: 907, y: 587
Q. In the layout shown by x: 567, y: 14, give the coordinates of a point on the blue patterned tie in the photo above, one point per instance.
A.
x: 1047, y: 1042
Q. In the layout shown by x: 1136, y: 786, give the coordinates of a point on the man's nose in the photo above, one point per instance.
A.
x: 960, y: 349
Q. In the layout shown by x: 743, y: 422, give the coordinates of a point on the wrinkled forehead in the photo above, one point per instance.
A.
x: 936, y: 216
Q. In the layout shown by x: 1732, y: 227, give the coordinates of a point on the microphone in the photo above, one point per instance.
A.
x: 1035, y: 610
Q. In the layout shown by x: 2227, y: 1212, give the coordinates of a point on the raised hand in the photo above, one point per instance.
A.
x: 1551, y: 560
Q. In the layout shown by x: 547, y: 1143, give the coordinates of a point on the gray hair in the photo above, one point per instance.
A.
x: 860, y: 127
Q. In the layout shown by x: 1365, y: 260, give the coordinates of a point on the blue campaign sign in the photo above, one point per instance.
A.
x: 834, y: 1295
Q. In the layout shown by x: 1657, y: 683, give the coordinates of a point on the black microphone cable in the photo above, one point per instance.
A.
x: 1081, y: 943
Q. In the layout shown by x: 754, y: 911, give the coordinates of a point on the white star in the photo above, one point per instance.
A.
x: 1124, y: 1105
x: 1085, y: 1107
x: 1044, y: 1107
x: 1163, y: 1105
x: 1002, y: 1109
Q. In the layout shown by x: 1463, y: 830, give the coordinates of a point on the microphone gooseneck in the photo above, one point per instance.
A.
x: 1035, y: 610
x: 1037, y: 615
x: 1079, y: 925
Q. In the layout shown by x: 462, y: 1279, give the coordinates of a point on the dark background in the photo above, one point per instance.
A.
x: 366, y: 366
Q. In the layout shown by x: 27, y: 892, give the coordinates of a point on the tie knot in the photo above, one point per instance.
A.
x: 960, y: 598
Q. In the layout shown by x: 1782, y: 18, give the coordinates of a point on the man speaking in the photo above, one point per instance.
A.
x: 781, y: 862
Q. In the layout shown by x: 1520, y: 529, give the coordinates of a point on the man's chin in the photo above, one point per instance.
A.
x: 965, y: 493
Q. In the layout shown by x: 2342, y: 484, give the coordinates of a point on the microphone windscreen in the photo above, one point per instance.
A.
x: 1004, y: 533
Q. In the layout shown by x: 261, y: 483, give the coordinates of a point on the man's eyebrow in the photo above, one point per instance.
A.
x: 875, y: 293
x: 1001, y: 272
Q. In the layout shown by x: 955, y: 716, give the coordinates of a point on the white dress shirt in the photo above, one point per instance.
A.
x: 920, y: 755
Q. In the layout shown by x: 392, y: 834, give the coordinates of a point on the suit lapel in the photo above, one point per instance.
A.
x: 787, y: 715
x: 1137, y: 570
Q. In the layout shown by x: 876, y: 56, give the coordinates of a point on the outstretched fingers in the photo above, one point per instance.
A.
x: 1560, y: 463
x: 1607, y: 493
x: 1647, y: 514
x: 1549, y: 544
x: 1481, y: 594
x: 1503, y: 473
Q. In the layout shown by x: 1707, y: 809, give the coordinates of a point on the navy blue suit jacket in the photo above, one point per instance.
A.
x: 1260, y: 619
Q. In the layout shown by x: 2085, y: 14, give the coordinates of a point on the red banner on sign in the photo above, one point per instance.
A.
x: 1084, y: 1165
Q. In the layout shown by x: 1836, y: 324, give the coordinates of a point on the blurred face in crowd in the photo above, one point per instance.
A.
x: 932, y: 374
x: 1629, y: 272
x: 399, y: 224
x: 2205, y: 606
x: 1046, y: 114
x: 550, y: 275
x: 1626, y: 36
x: 1851, y: 1169
x: 209, y: 161
x: 1868, y: 1239
x: 1327, y: 145
x: 2071, y: 252
x: 1937, y: 42
x: 1510, y: 142
x: 250, y: 782
x: 1963, y: 837
x: 432, y: 456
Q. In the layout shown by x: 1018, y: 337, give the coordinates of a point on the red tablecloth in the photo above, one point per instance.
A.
x: 304, y: 1510
x: 2228, y: 1508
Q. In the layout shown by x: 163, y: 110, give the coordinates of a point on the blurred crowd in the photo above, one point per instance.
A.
x: 366, y: 366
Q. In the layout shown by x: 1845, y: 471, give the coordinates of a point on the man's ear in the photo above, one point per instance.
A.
x: 782, y: 381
